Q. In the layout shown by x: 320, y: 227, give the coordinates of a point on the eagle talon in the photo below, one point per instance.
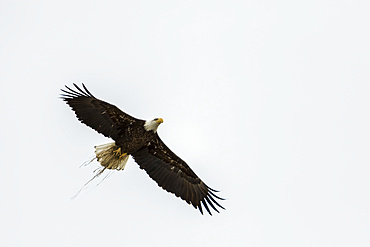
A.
x: 118, y: 152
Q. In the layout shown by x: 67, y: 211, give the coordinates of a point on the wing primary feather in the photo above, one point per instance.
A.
x: 210, y: 192
x: 71, y: 94
x: 213, y: 200
x: 75, y: 92
x: 65, y: 96
x: 211, y: 189
x: 87, y: 91
x: 82, y: 92
x: 200, y: 208
x: 210, y: 203
x: 206, y: 206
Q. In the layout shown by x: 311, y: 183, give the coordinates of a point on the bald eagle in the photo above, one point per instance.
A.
x: 139, y: 138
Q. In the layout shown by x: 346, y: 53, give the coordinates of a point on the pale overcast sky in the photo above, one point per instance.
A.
x: 267, y: 101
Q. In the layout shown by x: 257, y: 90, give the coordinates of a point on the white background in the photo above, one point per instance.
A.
x: 267, y: 101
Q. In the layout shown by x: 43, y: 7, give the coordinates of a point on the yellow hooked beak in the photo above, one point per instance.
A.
x: 160, y: 120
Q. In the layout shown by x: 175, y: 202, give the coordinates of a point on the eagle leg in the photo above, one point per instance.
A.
x: 118, y: 152
x: 122, y: 155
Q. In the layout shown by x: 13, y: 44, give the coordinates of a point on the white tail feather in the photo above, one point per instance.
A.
x: 107, y: 157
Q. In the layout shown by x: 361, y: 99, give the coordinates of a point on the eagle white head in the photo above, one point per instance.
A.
x: 153, y: 124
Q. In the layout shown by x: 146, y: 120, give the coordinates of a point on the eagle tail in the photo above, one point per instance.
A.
x: 109, y: 155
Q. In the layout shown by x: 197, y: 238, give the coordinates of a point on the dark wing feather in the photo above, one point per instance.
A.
x: 175, y: 176
x: 103, y: 117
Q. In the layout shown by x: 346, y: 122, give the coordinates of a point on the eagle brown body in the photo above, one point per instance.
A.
x: 139, y: 139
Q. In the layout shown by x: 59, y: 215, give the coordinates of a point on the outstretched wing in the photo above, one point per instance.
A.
x: 103, y: 117
x: 175, y: 176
